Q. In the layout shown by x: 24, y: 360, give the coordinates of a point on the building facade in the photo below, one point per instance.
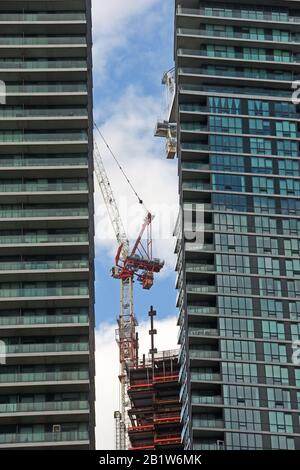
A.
x: 46, y: 226
x: 238, y: 292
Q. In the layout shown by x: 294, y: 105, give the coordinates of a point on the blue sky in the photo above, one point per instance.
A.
x: 137, y: 63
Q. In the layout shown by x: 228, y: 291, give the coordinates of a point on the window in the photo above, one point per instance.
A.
x: 260, y: 146
x: 264, y: 204
x: 267, y: 266
x: 228, y: 183
x: 235, y: 349
x: 293, y: 288
x: 280, y: 422
x: 270, y: 287
x: 238, y: 327
x: 271, y: 308
x: 230, y: 163
x: 295, y: 331
x: 221, y: 143
x: 229, y: 202
x: 228, y: 125
x: 294, y: 310
x: 233, y: 263
x: 291, y: 226
x: 281, y: 36
x: 236, y: 372
x: 292, y: 247
x: 285, y: 109
x: 282, y: 442
x: 286, y: 129
x: 262, y: 165
x: 234, y: 284
x: 231, y: 243
x: 290, y: 206
x: 230, y: 222
x: 260, y: 126
x: 254, y: 53
x: 240, y: 395
x: 273, y: 329
x: 258, y: 108
x: 267, y: 245
x: 289, y: 186
x: 218, y: 105
x: 278, y: 398
x: 265, y: 224
x: 236, y: 306
x: 275, y: 352
x: 277, y: 375
x: 260, y: 184
x: 292, y: 267
x: 240, y: 441
x: 288, y: 148
x: 242, y: 419
x: 288, y: 167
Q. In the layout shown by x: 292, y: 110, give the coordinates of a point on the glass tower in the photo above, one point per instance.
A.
x: 239, y: 291
x: 46, y: 226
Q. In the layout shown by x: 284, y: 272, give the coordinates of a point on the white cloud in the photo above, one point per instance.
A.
x: 107, y: 362
x: 129, y: 130
x: 113, y: 25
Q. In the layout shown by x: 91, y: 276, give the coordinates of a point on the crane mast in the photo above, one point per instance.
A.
x: 137, y: 262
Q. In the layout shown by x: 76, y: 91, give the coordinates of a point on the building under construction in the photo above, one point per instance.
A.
x: 154, y: 414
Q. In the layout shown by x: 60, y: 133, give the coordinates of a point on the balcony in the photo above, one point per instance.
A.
x: 49, y: 437
x: 41, y: 41
x: 49, y: 88
x: 44, y: 265
x: 41, y: 64
x: 46, y: 348
x: 66, y: 376
x: 11, y: 137
x: 199, y: 268
x: 43, y: 213
x: 43, y: 320
x: 37, y: 407
x: 32, y: 239
x: 48, y: 186
x: 41, y: 17
x: 204, y: 354
x: 244, y: 14
x: 196, y: 89
x: 199, y: 289
x: 44, y: 292
x: 27, y: 162
x: 261, y: 37
x: 251, y: 74
x: 15, y: 112
x: 292, y: 59
x: 203, y: 332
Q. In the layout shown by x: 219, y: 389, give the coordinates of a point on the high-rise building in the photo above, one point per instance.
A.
x: 238, y: 151
x: 46, y: 225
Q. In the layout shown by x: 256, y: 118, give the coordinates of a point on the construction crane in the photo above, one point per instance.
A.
x: 136, y: 263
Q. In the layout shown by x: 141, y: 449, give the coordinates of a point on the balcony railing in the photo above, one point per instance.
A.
x: 42, y: 64
x: 202, y: 310
x: 33, y: 162
x: 204, y: 354
x: 194, y: 186
x: 39, y: 40
x: 49, y: 212
x: 207, y: 399
x: 241, y: 14
x: 252, y: 74
x: 43, y: 320
x: 43, y: 265
x: 199, y: 268
x: 44, y: 17
x: 45, y: 292
x: 64, y: 186
x: 46, y: 112
x: 44, y: 437
x: 203, y: 332
x: 240, y: 55
x: 198, y: 247
x: 200, y: 289
x: 49, y: 88
x: 66, y: 376
x: 205, y: 376
x: 207, y: 423
x: 46, y: 347
x: 239, y: 35
x: 17, y: 137
x: 233, y: 90
x: 193, y: 146
x: 44, y: 406
x: 193, y: 126
x: 47, y: 238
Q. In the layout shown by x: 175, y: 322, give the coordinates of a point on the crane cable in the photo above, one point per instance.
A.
x: 120, y: 167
